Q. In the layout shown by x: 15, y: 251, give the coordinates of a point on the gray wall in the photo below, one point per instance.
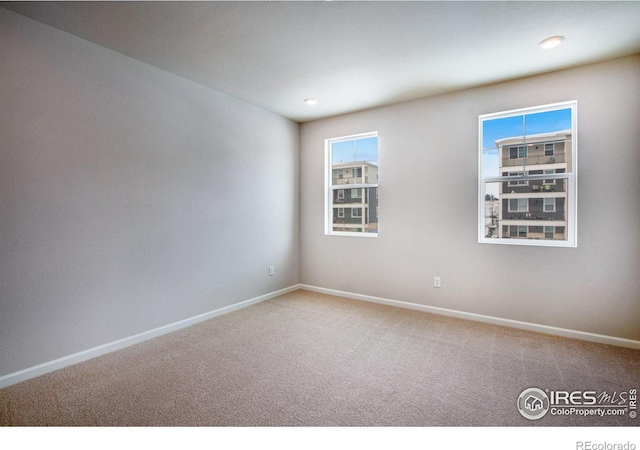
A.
x: 428, y: 208
x: 129, y: 198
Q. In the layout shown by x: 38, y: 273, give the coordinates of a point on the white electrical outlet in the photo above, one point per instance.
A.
x: 437, y: 282
x: 270, y: 271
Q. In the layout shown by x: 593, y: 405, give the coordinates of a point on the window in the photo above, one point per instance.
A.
x: 522, y: 231
x: 548, y: 149
x: 550, y: 181
x: 515, y: 231
x: 517, y: 152
x: 549, y: 204
x: 519, y: 205
x: 351, y: 169
x: 517, y: 182
x: 528, y: 176
x: 548, y: 232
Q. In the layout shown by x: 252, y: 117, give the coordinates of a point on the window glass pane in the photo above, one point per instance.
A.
x: 356, y: 214
x: 536, y: 211
x: 526, y: 140
x: 363, y: 170
x: 493, y: 130
x: 349, y: 151
x: 491, y: 210
x: 547, y: 121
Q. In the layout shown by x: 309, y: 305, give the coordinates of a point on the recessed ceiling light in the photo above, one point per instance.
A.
x: 311, y: 101
x: 551, y: 42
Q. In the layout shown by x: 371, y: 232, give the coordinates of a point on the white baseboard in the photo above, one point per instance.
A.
x: 582, y: 335
x: 41, y: 369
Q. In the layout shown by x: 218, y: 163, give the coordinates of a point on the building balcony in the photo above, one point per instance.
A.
x: 538, y: 188
x: 349, y: 221
x: 349, y: 180
x: 538, y: 215
x: 342, y: 202
x: 533, y: 160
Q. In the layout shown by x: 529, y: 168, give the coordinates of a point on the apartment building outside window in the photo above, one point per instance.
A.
x: 527, y: 176
x: 351, y: 185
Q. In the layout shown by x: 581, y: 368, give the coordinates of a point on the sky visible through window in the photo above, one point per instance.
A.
x: 536, y: 123
x: 365, y: 149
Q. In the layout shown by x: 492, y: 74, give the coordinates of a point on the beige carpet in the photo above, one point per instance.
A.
x: 307, y: 359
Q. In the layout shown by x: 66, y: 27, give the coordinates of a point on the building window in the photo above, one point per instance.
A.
x: 549, y: 204
x: 517, y: 231
x: 351, y: 168
x: 550, y: 181
x: 517, y: 182
x: 519, y: 205
x: 548, y: 149
x: 528, y: 176
x: 548, y: 232
x: 517, y: 152
x: 340, y: 213
x: 522, y: 231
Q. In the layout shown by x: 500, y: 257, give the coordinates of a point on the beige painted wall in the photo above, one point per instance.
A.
x: 428, y: 208
x: 130, y: 198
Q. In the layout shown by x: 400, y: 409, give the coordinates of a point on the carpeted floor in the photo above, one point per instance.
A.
x: 308, y: 359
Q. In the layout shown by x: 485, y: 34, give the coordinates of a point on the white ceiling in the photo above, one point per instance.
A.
x: 349, y: 55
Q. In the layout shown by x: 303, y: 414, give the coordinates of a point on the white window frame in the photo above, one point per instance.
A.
x: 329, y: 187
x: 571, y: 228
